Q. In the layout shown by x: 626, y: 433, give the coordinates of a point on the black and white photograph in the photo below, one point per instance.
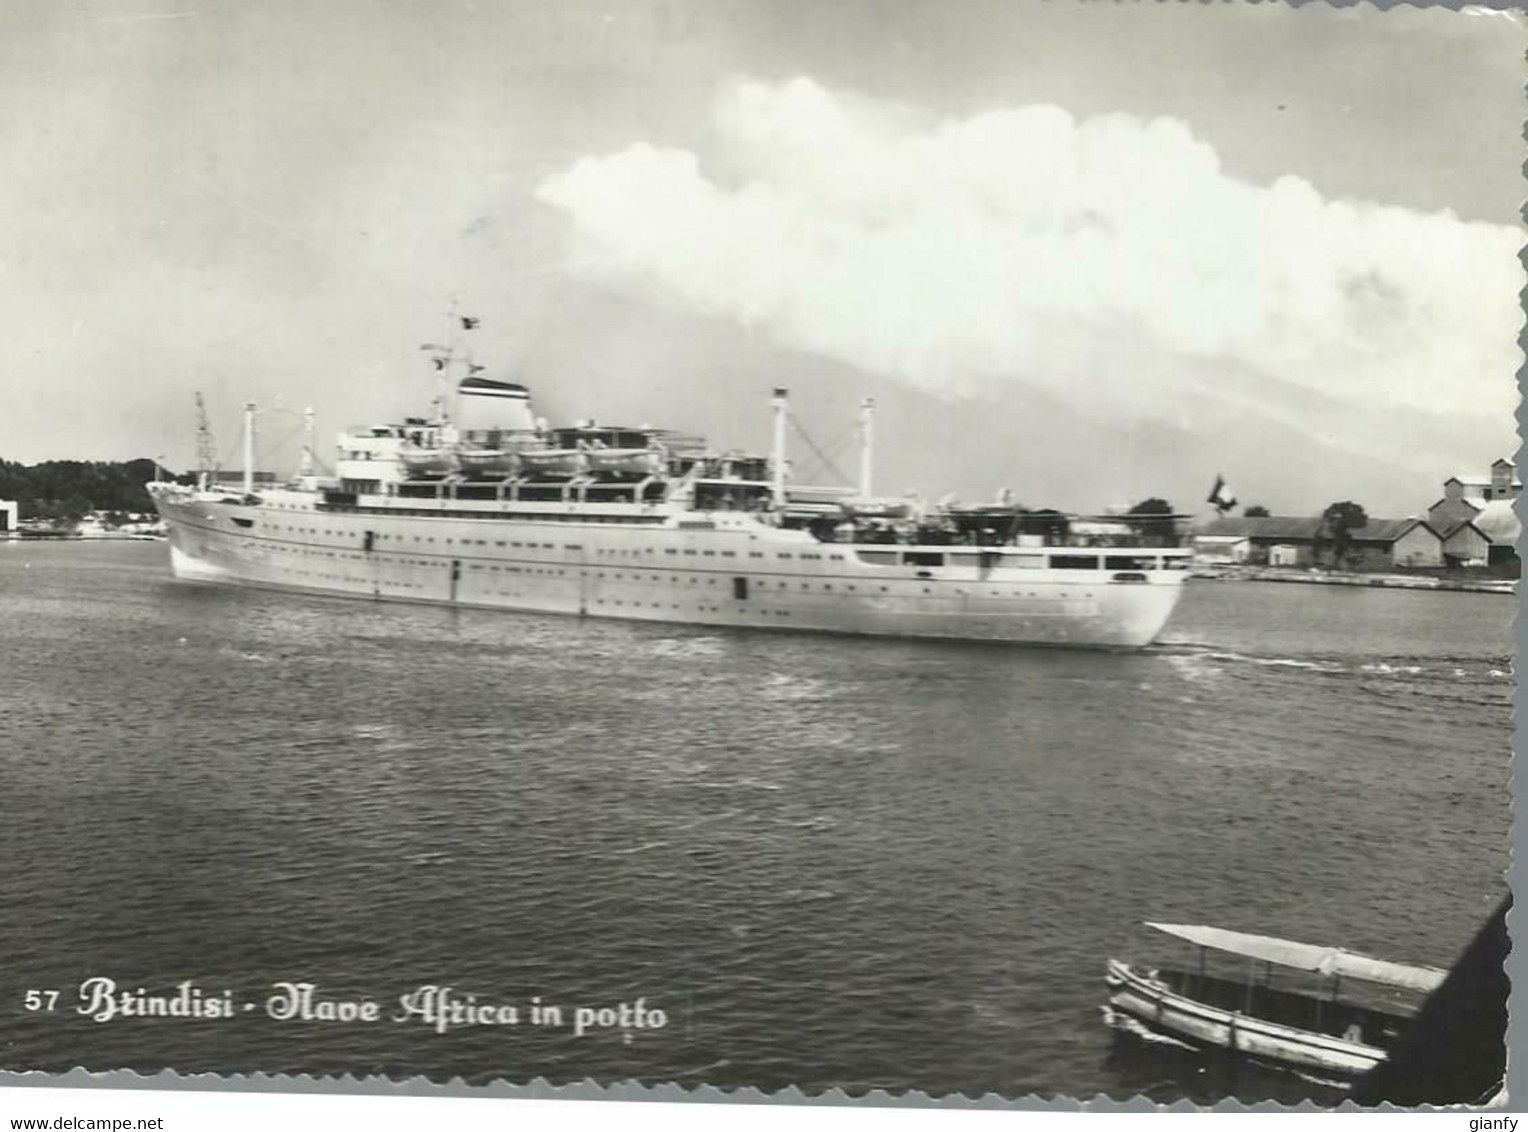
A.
x: 870, y: 548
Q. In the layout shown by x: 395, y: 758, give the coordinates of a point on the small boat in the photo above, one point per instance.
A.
x: 496, y: 450
x: 877, y: 508
x: 1301, y: 1020
x: 427, y: 461
x: 627, y: 461
x: 555, y: 461
x: 488, y: 460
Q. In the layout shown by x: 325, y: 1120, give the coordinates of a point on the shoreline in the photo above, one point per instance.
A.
x: 15, y: 536
x: 1336, y: 578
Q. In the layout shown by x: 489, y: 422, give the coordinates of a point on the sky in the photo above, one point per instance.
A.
x: 1091, y: 253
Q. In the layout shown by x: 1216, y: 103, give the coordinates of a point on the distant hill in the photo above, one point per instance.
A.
x: 67, y: 489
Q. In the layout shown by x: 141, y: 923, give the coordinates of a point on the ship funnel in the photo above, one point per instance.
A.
x: 486, y: 405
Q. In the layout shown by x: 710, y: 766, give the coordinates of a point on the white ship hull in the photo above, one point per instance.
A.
x: 722, y: 568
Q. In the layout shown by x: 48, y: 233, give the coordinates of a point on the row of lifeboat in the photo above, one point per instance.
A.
x: 534, y: 457
x: 542, y: 461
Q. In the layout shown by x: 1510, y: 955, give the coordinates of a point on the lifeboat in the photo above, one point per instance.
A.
x: 627, y: 461
x: 555, y: 461
x: 488, y: 460
x: 427, y: 461
x: 877, y: 508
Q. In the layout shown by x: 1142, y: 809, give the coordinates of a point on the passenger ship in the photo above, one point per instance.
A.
x: 488, y: 507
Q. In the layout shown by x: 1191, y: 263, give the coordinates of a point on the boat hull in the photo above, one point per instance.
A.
x: 1160, y: 1008
x: 725, y: 570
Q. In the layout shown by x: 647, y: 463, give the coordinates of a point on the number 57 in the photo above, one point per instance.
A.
x: 35, y: 999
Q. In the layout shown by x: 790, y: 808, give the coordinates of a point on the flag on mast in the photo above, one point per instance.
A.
x: 1222, y: 496
x: 469, y: 323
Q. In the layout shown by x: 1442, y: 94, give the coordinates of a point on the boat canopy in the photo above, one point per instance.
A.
x: 1332, y: 961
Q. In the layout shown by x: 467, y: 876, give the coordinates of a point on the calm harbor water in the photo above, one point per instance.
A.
x: 830, y: 862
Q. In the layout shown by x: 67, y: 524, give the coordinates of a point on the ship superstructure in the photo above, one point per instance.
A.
x: 491, y: 507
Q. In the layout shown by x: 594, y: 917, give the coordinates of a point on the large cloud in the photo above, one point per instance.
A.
x: 1024, y: 245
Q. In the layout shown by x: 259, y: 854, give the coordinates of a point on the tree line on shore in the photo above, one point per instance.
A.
x: 66, y: 490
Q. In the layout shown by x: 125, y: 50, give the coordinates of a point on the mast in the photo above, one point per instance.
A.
x: 441, y: 358
x: 440, y: 362
x: 444, y: 357
x: 467, y: 323
x: 307, y: 441
x: 779, y: 401
x: 249, y: 448
x: 206, y: 447
x: 867, y: 445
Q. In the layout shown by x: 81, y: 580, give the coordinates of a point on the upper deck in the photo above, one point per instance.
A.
x: 499, y: 462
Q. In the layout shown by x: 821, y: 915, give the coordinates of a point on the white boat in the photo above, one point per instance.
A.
x: 626, y: 461
x: 490, y: 460
x: 496, y: 450
x: 554, y: 461
x: 1301, y: 1020
x: 723, y: 540
x: 428, y: 461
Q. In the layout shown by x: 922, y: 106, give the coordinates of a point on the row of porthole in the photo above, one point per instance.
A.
x: 381, y: 536
x: 646, y: 521
x: 552, y: 546
x: 827, y: 587
x: 357, y: 581
x: 699, y: 608
x: 516, y: 569
x: 357, y: 557
x: 751, y: 554
x: 883, y: 589
x: 601, y: 601
x: 547, y: 570
x: 422, y: 538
